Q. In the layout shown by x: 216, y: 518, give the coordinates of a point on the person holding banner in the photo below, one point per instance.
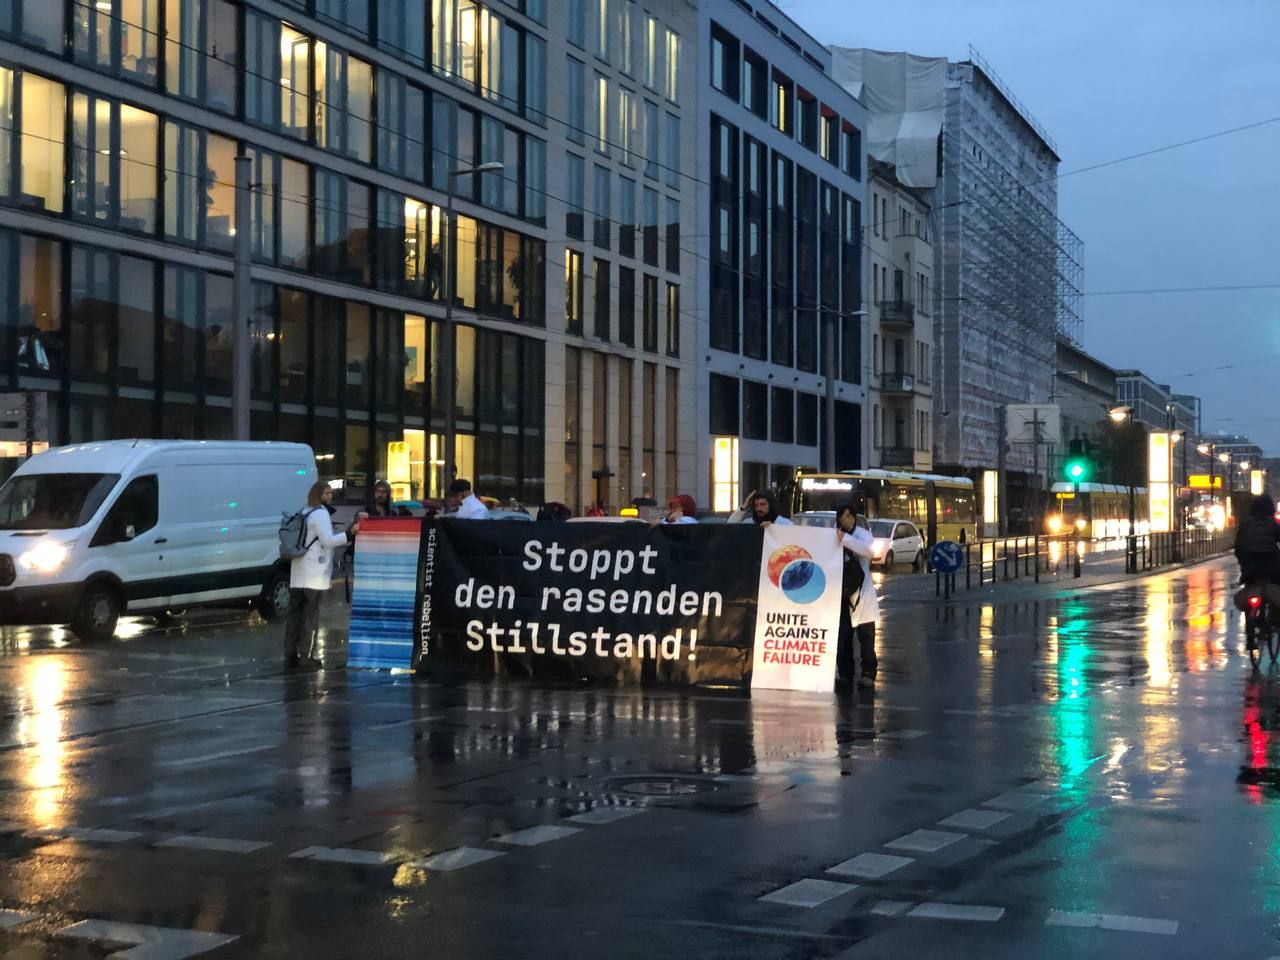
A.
x: 310, y: 576
x: 860, y: 593
x: 465, y: 503
x: 681, y: 509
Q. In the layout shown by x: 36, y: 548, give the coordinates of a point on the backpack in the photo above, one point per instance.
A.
x: 854, y: 575
x: 293, y: 534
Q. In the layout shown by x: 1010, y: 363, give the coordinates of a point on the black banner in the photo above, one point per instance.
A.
x: 674, y: 603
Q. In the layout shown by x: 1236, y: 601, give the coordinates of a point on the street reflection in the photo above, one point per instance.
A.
x: 40, y: 726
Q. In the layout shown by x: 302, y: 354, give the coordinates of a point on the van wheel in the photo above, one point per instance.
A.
x: 274, y: 602
x: 97, y: 613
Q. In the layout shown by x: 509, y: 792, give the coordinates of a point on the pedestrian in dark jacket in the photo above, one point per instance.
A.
x: 1258, y: 543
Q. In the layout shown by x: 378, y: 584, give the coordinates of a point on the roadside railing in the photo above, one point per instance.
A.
x: 1037, y: 557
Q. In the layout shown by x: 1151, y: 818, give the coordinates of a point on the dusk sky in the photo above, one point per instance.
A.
x: 1108, y: 79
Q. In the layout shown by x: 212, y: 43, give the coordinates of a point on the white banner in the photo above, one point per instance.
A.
x: 798, y: 610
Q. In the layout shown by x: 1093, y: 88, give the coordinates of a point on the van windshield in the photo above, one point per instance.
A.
x: 53, y: 501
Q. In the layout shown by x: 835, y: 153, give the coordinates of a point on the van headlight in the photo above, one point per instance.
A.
x: 45, y: 557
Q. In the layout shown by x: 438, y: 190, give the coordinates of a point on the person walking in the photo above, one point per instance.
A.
x: 466, y: 504
x: 310, y: 576
x: 863, y: 605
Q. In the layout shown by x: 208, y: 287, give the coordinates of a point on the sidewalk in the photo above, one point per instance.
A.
x: 920, y: 588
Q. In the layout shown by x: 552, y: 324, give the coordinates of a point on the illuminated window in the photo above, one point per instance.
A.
x: 673, y: 65
x: 43, y: 119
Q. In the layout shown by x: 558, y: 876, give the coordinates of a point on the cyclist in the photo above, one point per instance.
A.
x: 1257, y: 546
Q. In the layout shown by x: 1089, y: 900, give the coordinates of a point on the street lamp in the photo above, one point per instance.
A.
x: 450, y: 331
x: 1124, y: 415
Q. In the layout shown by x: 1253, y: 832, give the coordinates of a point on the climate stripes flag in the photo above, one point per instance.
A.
x: 383, y: 605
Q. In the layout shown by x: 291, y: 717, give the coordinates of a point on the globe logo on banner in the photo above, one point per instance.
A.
x: 793, y: 571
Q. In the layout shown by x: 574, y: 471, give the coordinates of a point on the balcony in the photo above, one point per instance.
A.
x: 903, y: 383
x: 897, y: 313
x: 897, y: 457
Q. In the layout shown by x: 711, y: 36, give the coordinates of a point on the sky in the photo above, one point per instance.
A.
x: 1110, y: 78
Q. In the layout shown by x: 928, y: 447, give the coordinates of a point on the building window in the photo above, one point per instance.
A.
x: 755, y: 83
x: 650, y: 314
x: 573, y: 428
x: 602, y: 224
x: 121, y: 36
x: 755, y: 410
x: 673, y: 151
x: 630, y: 32
x: 114, y: 156
x: 402, y: 121
x: 535, y: 180
x: 724, y: 62
x: 535, y: 79
x: 627, y: 306
x: 828, y: 137
x: 628, y: 132
x: 202, y: 52
x: 673, y: 319
x: 599, y: 416
x: 577, y: 25
x: 673, y: 408
x: 651, y: 227
x: 806, y: 419
x: 807, y: 120
x: 402, y: 29
x: 627, y: 222
x: 602, y: 114
x: 200, y: 188
x: 576, y: 200
x: 651, y: 139
x: 651, y: 52
x: 342, y: 228
x: 648, y: 428
x: 576, y: 93
x: 42, y: 179
x: 602, y: 299
x: 672, y: 86
x: 573, y: 284
x: 723, y: 401
x: 344, y: 90
x: 780, y: 107
x: 852, y: 139
x: 782, y: 419
x: 673, y: 235
x: 602, y: 29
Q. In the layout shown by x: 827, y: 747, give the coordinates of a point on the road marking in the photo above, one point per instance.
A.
x: 903, y: 734
x: 12, y: 918
x: 957, y: 911
x: 1107, y: 921
x: 211, y: 757
x: 219, y: 844
x: 403, y: 723
x: 369, y: 858
x: 808, y: 893
x: 606, y: 814
x: 925, y: 841
x: 456, y: 859
x: 145, y: 942
x: 870, y: 866
x: 891, y: 908
x: 974, y: 819
x: 1015, y: 801
x: 89, y: 835
x: 532, y: 836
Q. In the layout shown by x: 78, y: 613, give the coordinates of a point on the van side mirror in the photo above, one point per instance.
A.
x: 129, y: 531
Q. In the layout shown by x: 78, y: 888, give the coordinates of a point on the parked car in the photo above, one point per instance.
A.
x: 509, y: 515
x: 90, y: 531
x: 896, y: 541
x: 814, y: 518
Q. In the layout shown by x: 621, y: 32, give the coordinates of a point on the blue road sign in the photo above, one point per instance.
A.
x: 947, y: 556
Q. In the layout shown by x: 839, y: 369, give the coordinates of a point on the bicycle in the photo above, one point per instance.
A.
x: 1260, y: 625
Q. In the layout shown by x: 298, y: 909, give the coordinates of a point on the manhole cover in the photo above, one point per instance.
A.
x: 662, y: 786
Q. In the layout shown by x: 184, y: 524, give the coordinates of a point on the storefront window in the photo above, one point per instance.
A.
x: 293, y: 336
x: 92, y: 313
x: 40, y: 307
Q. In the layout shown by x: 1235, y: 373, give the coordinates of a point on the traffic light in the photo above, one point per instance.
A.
x: 1078, y: 466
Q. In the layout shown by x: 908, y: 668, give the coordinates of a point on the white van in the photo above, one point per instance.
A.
x: 89, y: 531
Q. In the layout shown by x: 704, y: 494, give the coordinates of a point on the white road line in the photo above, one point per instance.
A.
x: 368, y: 858
x: 532, y: 836
x: 89, y: 835
x: 925, y: 841
x: 403, y: 723
x: 218, y: 844
x: 147, y: 943
x: 211, y: 757
x: 957, y: 911
x: 456, y: 859
x: 974, y: 819
x: 12, y: 918
x: 606, y: 814
x: 1108, y: 921
x: 808, y: 893
x: 870, y: 866
x: 891, y: 908
x: 1016, y: 801
x: 904, y: 734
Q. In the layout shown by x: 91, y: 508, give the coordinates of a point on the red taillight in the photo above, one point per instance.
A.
x: 1255, y: 601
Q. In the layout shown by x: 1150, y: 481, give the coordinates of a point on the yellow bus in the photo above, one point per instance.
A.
x: 944, y: 508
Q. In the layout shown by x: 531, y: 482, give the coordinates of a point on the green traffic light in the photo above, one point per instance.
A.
x: 1077, y: 470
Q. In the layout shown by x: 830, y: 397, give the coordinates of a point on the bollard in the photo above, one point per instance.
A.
x: 937, y: 583
x: 1037, y: 549
x: 968, y: 563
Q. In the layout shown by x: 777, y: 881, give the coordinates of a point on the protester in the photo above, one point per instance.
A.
x: 863, y: 608
x: 760, y: 507
x: 310, y: 576
x: 380, y: 503
x: 465, y: 504
x: 595, y: 510
x: 554, y: 512
x: 681, y: 509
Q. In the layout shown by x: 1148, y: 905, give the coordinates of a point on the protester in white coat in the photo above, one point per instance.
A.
x: 310, y: 576
x: 864, y: 605
x: 465, y: 503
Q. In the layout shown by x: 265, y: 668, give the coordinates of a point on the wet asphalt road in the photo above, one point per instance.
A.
x: 1087, y: 775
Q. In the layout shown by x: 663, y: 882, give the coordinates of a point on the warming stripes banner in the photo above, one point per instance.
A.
x: 384, y: 593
